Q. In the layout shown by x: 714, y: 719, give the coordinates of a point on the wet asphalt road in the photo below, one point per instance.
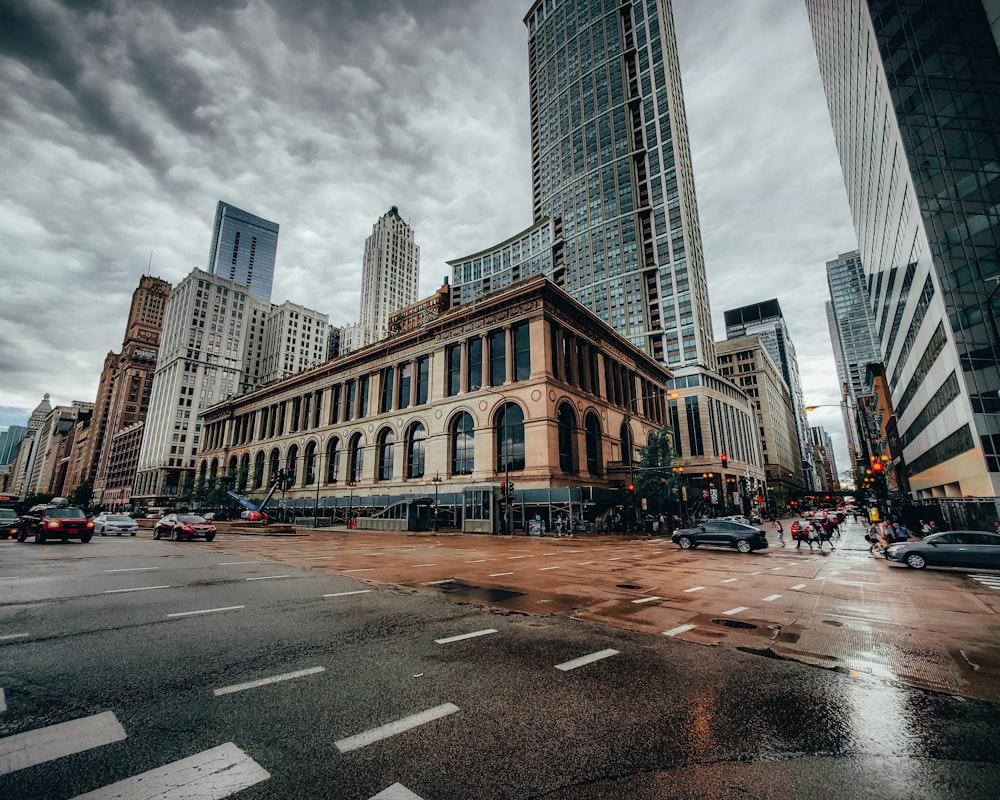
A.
x: 658, y: 717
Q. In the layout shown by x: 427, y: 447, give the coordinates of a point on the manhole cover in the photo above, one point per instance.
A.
x: 734, y: 623
x: 628, y: 586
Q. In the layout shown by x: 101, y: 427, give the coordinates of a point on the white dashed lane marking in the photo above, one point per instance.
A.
x: 730, y: 580
x: 345, y: 594
x: 133, y: 569
x: 798, y: 586
x: 542, y: 569
x: 231, y: 563
x: 678, y: 629
x: 3, y: 701
x: 288, y: 676
x: 203, y: 611
x: 646, y: 599
x: 771, y: 597
x: 211, y: 775
x: 737, y: 610
x: 360, y: 740
x: 137, y: 589
x: 462, y: 636
x: 45, y: 744
x: 566, y: 666
x: 499, y: 574
x: 9, y: 636
x: 268, y: 577
x: 694, y: 589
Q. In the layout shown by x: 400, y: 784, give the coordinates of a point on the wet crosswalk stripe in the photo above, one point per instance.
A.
x: 993, y: 581
x: 45, y: 744
x: 649, y: 599
x: 566, y: 666
x: 462, y: 636
x: 737, y: 610
x: 678, y: 629
x: 360, y: 740
x: 771, y: 597
x: 211, y: 775
x: 396, y: 792
x: 239, y: 687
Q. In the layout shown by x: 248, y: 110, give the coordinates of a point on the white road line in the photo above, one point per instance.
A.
x: 462, y: 636
x: 798, y: 586
x: 436, y: 583
x: 566, y: 666
x: 511, y: 558
x: 344, y: 594
x: 771, y: 597
x: 737, y: 610
x: 616, y: 558
x: 392, y: 728
x: 498, y: 574
x: 476, y: 561
x: 585, y: 563
x: 373, y: 554
x: 8, y: 636
x: 132, y: 569
x: 230, y: 563
x: 267, y: 577
x: 11, y: 578
x: 542, y: 569
x: 694, y: 589
x: 775, y: 568
x: 365, y: 569
x: 203, y: 611
x: 319, y: 558
x: 730, y: 580
x: 425, y: 565
x: 647, y: 599
x: 678, y: 629
x: 396, y: 792
x: 211, y: 775
x: 137, y: 589
x: 45, y: 744
x: 3, y: 701
x: 239, y: 687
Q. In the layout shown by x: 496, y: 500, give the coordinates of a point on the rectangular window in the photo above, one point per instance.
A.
x: 363, y: 384
x: 351, y: 392
x: 385, y: 398
x: 694, y: 426
x: 405, y: 384
x: 423, y: 379
x: 454, y: 357
x: 335, y: 404
x: 522, y: 352
x: 475, y: 348
x: 498, y: 358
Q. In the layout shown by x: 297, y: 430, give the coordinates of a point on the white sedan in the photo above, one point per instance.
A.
x: 117, y: 524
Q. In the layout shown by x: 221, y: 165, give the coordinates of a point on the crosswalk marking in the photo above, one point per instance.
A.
x: 462, y: 636
x: 396, y: 792
x: 737, y: 610
x: 566, y: 666
x: 993, y: 581
x: 211, y: 775
x: 360, y: 740
x: 694, y: 589
x: 239, y: 687
x: 678, y: 629
x: 798, y: 586
x: 55, y: 741
x: 203, y: 611
x: 771, y: 597
x: 649, y: 599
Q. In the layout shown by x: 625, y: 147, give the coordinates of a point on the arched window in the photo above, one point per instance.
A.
x: 290, y: 462
x: 626, y: 439
x: 415, y: 441
x: 310, y: 464
x: 213, y: 470
x: 243, y: 476
x: 386, y: 448
x: 567, y: 438
x: 203, y: 470
x: 233, y: 464
x: 509, y: 429
x: 355, y: 459
x: 463, y: 457
x: 594, y: 447
x: 333, y: 450
x: 258, y: 470
x: 275, y: 465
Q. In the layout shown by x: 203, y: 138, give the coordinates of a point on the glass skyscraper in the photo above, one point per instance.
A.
x: 913, y: 88
x: 244, y: 247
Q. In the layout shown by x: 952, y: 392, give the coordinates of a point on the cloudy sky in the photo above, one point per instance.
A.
x: 123, y: 122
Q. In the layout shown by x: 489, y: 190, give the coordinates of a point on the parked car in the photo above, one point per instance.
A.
x: 723, y: 533
x: 970, y: 549
x: 116, y: 524
x: 735, y: 518
x: 55, y: 520
x: 184, y: 526
x: 9, y: 522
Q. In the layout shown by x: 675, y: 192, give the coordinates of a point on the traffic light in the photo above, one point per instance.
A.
x: 630, y: 487
x: 878, y: 467
x: 507, y: 489
x: 725, y: 460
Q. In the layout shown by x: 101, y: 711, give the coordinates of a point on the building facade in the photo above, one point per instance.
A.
x: 524, y: 386
x: 295, y: 338
x: 914, y: 99
x: 10, y: 440
x: 244, y: 248
x: 390, y: 274
x: 27, y: 452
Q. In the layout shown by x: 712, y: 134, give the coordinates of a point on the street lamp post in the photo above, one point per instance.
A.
x: 350, y: 504
x: 436, y: 480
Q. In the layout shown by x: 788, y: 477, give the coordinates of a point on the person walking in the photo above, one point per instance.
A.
x: 871, y: 536
x: 781, y: 531
x: 826, y: 534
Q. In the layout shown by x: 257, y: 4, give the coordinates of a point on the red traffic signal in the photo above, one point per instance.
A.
x: 877, y: 467
x: 630, y: 487
x: 725, y: 459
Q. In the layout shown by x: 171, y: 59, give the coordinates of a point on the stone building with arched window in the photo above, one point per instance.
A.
x: 522, y: 386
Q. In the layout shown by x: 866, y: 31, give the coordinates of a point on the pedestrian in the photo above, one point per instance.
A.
x: 871, y: 536
x: 558, y: 525
x: 932, y: 528
x: 826, y: 534
x: 781, y: 531
x: 806, y: 534
x: 925, y: 528
x: 902, y: 533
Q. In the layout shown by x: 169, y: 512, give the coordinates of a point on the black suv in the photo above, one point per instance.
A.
x: 724, y: 533
x: 55, y: 520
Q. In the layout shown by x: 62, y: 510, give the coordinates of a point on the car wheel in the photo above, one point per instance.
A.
x: 86, y: 537
x: 685, y: 542
x: 133, y: 533
x: 174, y: 535
x: 209, y: 537
x: 39, y: 538
x: 743, y: 546
x: 156, y: 533
x: 103, y: 532
x: 916, y: 561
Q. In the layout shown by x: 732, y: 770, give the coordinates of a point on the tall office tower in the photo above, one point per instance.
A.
x: 766, y: 321
x: 855, y: 341
x: 914, y: 95
x: 10, y: 440
x: 826, y: 461
x: 23, y: 462
x: 125, y: 384
x: 610, y: 159
x: 294, y: 339
x: 243, y: 249
x: 390, y: 274
x: 203, y: 345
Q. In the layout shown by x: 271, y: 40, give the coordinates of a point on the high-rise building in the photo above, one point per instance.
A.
x: 294, y: 339
x: 766, y: 321
x: 826, y: 461
x: 914, y: 97
x: 390, y: 274
x: 855, y: 341
x: 27, y: 452
x: 10, y: 439
x: 244, y: 248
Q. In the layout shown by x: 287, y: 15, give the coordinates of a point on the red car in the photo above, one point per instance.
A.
x: 184, y: 526
x: 55, y: 520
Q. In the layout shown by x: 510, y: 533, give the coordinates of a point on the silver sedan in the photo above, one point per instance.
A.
x: 117, y: 524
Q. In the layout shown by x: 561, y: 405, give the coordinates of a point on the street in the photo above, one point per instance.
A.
x: 362, y: 665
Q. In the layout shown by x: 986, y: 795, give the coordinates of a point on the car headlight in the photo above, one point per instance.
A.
x: 893, y: 548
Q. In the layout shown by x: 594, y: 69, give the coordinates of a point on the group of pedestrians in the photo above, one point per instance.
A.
x: 817, y: 531
x: 881, y: 536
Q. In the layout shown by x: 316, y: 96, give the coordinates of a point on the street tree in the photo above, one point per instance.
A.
x: 656, y: 480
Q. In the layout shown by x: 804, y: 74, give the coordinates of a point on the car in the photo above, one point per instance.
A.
x: 971, y: 549
x: 184, y: 526
x: 734, y: 518
x: 116, y: 524
x: 55, y: 520
x: 9, y: 523
x: 721, y: 532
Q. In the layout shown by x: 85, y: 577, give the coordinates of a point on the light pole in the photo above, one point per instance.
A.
x: 350, y: 504
x: 436, y: 480
x: 316, y: 474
